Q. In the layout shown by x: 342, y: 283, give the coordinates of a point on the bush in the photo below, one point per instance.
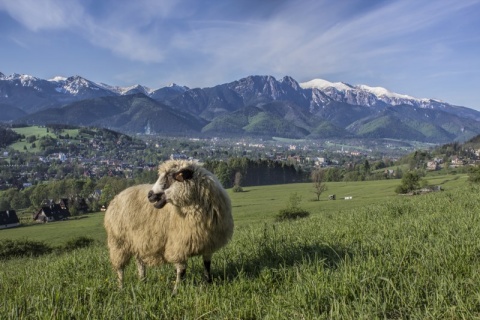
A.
x: 411, y: 181
x: 20, y: 248
x: 80, y: 242
x: 237, y: 189
x: 474, y: 175
x: 293, y: 210
x: 10, y: 249
x: 291, y: 214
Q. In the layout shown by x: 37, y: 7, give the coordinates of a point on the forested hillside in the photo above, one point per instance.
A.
x: 7, y: 136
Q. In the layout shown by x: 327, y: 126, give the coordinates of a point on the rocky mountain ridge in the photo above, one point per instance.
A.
x: 254, y: 105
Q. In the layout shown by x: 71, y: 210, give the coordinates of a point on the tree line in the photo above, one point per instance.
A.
x: 255, y: 172
x: 235, y: 171
x: 7, y: 136
x: 96, y: 193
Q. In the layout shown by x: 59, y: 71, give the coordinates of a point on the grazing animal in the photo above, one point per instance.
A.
x: 185, y: 213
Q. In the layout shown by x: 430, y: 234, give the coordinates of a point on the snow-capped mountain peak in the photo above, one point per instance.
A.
x: 324, y: 84
x: 24, y: 79
x: 57, y: 79
x: 127, y: 90
x: 382, y: 92
x: 362, y: 94
x: 75, y: 85
x: 177, y: 87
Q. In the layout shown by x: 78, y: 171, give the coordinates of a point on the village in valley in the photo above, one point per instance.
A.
x: 97, y: 155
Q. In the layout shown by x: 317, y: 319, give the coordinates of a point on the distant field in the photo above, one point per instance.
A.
x: 259, y: 204
x: 37, y: 132
x: 33, y: 131
x: 255, y: 205
x: 57, y: 233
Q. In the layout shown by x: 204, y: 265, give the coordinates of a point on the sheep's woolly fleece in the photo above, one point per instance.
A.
x: 195, y: 219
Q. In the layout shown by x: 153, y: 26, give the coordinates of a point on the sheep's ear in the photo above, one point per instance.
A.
x: 183, y: 175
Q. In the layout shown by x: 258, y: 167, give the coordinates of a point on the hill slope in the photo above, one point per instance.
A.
x: 132, y: 113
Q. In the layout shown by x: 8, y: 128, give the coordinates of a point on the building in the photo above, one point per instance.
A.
x: 457, y: 161
x: 8, y: 219
x: 53, y: 212
x: 432, y: 165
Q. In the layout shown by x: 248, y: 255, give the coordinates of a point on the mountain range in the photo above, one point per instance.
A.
x: 252, y: 106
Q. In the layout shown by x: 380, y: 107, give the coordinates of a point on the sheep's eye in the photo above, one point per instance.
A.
x: 168, y: 182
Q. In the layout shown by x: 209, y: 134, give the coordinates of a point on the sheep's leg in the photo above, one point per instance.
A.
x: 120, y: 277
x: 119, y: 259
x: 181, y: 271
x: 207, y: 262
x: 141, y: 269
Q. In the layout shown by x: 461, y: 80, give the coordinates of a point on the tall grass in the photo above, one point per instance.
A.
x: 408, y: 258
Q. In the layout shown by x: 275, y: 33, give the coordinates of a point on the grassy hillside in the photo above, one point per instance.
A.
x: 58, y: 233
x: 38, y: 132
x: 375, y: 256
x: 255, y: 205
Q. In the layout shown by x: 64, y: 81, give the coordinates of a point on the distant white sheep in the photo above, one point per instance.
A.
x: 186, y: 213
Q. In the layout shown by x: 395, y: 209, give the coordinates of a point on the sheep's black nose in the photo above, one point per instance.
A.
x: 150, y: 193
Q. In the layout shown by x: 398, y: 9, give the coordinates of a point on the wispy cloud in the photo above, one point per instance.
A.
x: 124, y: 30
x: 290, y: 36
x: 202, y: 43
x: 19, y: 42
x: 308, y: 40
x: 46, y: 14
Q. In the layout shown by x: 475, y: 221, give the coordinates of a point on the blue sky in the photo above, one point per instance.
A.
x: 423, y: 48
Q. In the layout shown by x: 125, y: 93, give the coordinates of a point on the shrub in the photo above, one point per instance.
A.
x: 474, y: 175
x: 10, y: 249
x: 291, y: 214
x: 19, y: 248
x: 237, y: 189
x: 80, y: 242
x: 293, y: 210
x: 411, y: 181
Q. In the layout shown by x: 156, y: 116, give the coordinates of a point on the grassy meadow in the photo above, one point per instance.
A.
x: 377, y: 256
x: 38, y: 132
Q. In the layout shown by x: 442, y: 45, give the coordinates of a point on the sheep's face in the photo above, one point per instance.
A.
x: 169, y: 185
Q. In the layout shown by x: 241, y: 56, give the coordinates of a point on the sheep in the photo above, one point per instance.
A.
x: 185, y: 213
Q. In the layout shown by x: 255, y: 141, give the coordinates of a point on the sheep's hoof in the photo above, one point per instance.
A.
x: 208, y: 280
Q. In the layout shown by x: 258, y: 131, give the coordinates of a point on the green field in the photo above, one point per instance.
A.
x: 255, y: 205
x: 377, y: 256
x: 37, y: 132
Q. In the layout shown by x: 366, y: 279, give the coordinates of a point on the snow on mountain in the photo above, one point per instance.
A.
x: 76, y: 83
x: 393, y: 98
x: 350, y: 108
x: 76, y: 87
x: 131, y: 89
x: 57, y: 79
x: 24, y: 79
x: 137, y: 88
x: 341, y: 92
x: 382, y: 92
x: 73, y: 85
x: 324, y: 84
x: 177, y: 87
x: 34, y: 93
x: 362, y: 94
